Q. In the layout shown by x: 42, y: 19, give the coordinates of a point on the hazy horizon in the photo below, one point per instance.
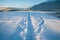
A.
x: 19, y: 3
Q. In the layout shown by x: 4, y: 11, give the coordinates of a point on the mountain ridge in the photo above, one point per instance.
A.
x: 47, y: 6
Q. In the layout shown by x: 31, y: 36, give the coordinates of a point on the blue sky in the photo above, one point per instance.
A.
x: 20, y: 3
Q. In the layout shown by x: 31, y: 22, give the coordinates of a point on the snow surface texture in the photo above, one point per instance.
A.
x: 28, y: 26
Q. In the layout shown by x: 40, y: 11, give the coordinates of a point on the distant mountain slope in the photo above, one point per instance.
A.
x: 3, y: 9
x: 47, y: 6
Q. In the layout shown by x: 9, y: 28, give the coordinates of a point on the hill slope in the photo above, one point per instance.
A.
x: 47, y: 6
